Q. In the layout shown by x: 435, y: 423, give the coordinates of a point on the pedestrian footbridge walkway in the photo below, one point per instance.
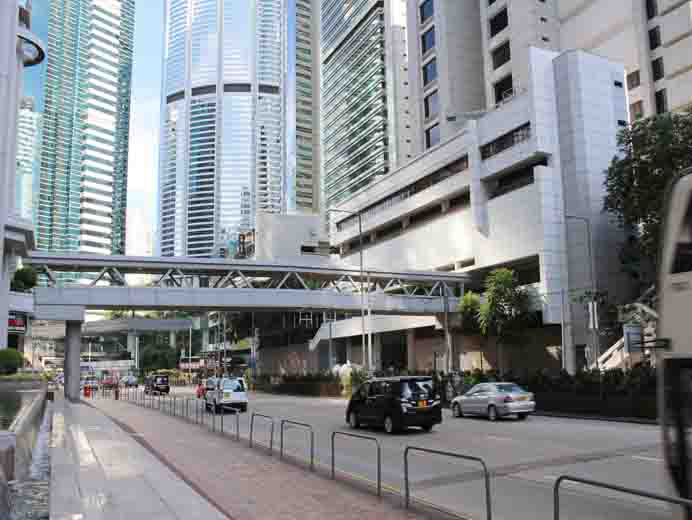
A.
x: 116, y: 460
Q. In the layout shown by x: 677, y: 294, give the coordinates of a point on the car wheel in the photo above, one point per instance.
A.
x: 353, y: 420
x: 522, y: 416
x: 217, y: 408
x: 427, y: 427
x: 456, y: 410
x: 492, y: 413
x: 388, y: 424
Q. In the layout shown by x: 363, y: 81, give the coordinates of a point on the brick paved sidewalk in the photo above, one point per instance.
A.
x: 242, y: 482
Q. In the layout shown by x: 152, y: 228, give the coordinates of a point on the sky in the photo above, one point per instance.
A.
x: 144, y: 126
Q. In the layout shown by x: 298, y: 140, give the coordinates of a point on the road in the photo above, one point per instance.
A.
x: 525, y: 459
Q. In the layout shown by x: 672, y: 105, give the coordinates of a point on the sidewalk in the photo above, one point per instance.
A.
x: 246, y: 483
x: 100, y: 472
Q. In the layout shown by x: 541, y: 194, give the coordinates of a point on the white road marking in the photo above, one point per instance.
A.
x: 648, y: 459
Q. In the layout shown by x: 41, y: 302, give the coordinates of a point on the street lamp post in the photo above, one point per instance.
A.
x: 587, y: 223
x: 362, y: 294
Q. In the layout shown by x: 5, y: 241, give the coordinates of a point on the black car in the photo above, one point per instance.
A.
x: 395, y: 403
x: 156, y: 384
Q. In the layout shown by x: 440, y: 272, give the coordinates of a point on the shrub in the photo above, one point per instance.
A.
x: 10, y: 361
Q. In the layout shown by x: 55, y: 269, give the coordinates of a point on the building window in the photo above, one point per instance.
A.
x: 503, y: 89
x: 501, y: 55
x: 637, y: 110
x: 654, y: 38
x: 657, y: 68
x: 651, y: 8
x: 426, y: 10
x: 633, y: 80
x: 661, y: 101
x: 430, y: 71
x: 431, y: 104
x: 506, y: 141
x: 512, y: 181
x: 432, y: 136
x: 428, y: 40
x: 498, y: 22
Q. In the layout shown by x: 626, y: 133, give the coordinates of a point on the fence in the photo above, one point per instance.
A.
x: 312, y: 440
x: 488, y: 505
x: 379, y: 456
x: 687, y: 504
x: 252, y: 424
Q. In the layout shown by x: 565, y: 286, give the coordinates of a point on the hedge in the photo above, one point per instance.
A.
x: 11, y: 360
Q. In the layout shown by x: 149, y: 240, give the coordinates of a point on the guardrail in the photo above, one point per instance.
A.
x: 271, y: 436
x: 613, y: 487
x: 488, y: 506
x: 312, y: 440
x: 379, y: 456
x: 237, y: 421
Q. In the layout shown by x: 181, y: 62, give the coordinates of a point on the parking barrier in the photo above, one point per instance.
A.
x: 379, y: 456
x: 488, y: 506
x: 312, y: 440
x: 271, y: 436
x: 687, y: 504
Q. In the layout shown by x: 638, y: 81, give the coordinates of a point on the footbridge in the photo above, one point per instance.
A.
x: 202, y: 285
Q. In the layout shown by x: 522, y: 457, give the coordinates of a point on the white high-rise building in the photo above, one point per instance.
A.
x: 28, y: 151
x: 222, y: 145
x: 471, y: 56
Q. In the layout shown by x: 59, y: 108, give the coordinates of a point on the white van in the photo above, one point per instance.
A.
x: 227, y: 392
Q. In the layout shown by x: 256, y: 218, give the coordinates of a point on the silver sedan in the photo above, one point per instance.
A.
x: 494, y: 400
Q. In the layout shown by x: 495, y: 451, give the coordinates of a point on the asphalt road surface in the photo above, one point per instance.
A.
x: 525, y: 458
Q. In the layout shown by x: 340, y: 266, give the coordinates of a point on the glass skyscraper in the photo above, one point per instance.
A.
x: 28, y: 150
x: 83, y: 184
x: 222, y: 155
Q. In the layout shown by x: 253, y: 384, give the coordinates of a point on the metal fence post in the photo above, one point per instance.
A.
x: 379, y: 456
x: 222, y: 414
x: 312, y: 440
x: 271, y: 438
x: 488, y: 505
x: 684, y: 502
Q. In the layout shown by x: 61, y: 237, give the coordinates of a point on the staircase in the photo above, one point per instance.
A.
x: 641, y: 311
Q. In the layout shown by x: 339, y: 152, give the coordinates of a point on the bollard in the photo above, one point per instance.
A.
x: 174, y: 405
x: 222, y: 414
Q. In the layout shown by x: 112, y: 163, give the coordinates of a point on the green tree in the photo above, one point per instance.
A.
x: 506, y: 311
x: 24, y: 279
x: 651, y: 153
x: 469, y: 307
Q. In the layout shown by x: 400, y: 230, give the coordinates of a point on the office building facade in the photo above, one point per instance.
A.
x: 82, y: 196
x: 302, y: 107
x: 222, y: 142
x: 364, y: 89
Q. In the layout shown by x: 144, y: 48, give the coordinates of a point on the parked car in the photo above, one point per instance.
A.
x: 129, y: 381
x: 495, y: 400
x: 395, y: 403
x: 227, y: 392
x: 157, y: 384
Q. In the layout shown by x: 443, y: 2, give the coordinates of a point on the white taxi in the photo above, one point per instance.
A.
x: 226, y: 392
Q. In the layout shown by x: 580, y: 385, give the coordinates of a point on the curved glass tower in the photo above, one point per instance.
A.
x: 222, y: 130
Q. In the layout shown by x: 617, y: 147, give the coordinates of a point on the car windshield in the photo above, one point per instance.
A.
x: 509, y: 388
x: 417, y: 387
x: 234, y: 385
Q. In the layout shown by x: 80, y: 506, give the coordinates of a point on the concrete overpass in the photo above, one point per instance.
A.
x: 318, y: 285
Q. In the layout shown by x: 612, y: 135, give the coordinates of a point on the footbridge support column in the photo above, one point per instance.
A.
x: 73, y: 347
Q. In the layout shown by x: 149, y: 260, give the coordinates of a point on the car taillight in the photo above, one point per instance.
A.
x: 508, y: 399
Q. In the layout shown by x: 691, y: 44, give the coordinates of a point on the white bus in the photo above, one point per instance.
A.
x: 674, y: 328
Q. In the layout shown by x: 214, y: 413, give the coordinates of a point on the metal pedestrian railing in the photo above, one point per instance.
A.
x: 407, y: 491
x: 379, y: 455
x: 613, y: 487
x: 312, y: 440
x: 237, y: 421
x: 271, y: 435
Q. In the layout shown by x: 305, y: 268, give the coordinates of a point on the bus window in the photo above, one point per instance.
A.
x: 682, y: 263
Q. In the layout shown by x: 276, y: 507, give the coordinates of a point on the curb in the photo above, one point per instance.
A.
x: 632, y: 420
